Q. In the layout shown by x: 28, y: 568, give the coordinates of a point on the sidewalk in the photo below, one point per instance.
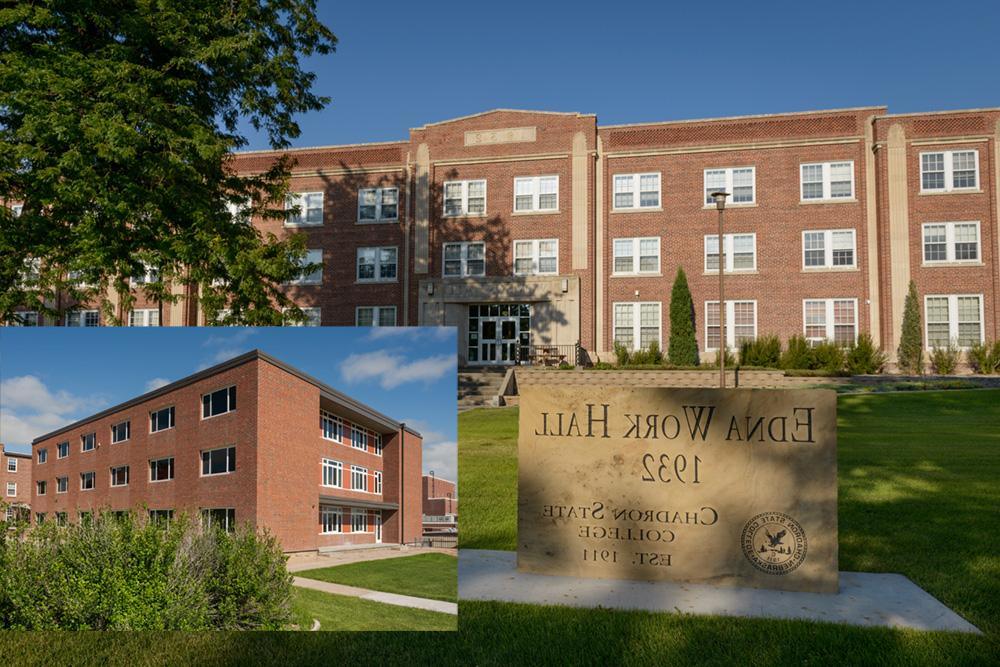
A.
x: 331, y: 559
x: 378, y: 596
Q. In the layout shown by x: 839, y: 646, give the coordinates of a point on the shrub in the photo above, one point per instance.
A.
x: 648, y: 356
x: 910, y: 353
x: 683, y: 346
x: 764, y: 352
x: 798, y: 354
x: 984, y: 357
x: 621, y: 354
x: 863, y: 358
x: 730, y: 359
x: 944, y: 359
x: 829, y: 357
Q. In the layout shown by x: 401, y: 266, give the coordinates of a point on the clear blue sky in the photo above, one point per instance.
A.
x: 51, y: 376
x: 402, y: 64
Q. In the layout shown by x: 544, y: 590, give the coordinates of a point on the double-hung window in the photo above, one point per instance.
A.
x: 119, y: 476
x: 359, y: 478
x: 40, y: 487
x: 739, y: 182
x: 333, y: 473
x: 377, y: 444
x: 637, y: 324
x: 464, y: 259
x: 536, y: 193
x: 25, y: 318
x: 145, y: 317
x: 739, y: 252
x: 332, y: 426
x: 150, y: 274
x: 464, y: 198
x: 375, y: 316
x: 947, y: 242
x: 827, y: 181
x: 83, y: 318
x: 11, y: 489
x: 43, y: 456
x: 12, y: 464
x: 636, y: 191
x: 314, y: 277
x: 218, y: 402
x: 88, y: 442
x: 332, y: 519
x: 161, y: 470
x: 378, y: 204
x: 377, y: 265
x: 834, y: 320
x: 121, y: 431
x: 87, y: 481
x: 161, y: 420
x: 62, y: 450
x: 312, y: 318
x: 536, y: 257
x: 359, y: 520
x: 223, y: 518
x: 949, y: 171
x: 378, y: 481
x: 954, y: 318
x: 239, y: 211
x: 828, y: 249
x: 62, y: 484
x: 741, y: 323
x: 218, y: 461
x: 310, y: 209
x: 359, y: 438
x: 637, y: 256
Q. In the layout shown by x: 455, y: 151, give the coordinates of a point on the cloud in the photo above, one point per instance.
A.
x: 391, y: 369
x: 412, y: 333
x: 156, y: 383
x: 28, y: 409
x: 229, y: 343
x: 440, y: 452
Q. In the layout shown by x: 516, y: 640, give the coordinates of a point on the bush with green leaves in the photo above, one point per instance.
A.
x: 944, y: 360
x: 829, y: 356
x: 910, y: 353
x: 864, y: 358
x: 984, y: 358
x: 798, y: 354
x: 647, y: 356
x: 762, y: 352
x: 683, y: 347
x: 730, y: 359
x: 128, y: 573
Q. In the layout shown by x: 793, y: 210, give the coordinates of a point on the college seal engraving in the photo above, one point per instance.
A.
x: 774, y: 543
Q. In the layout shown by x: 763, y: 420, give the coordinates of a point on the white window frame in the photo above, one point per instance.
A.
x: 313, y: 317
x: 728, y: 242
x: 362, y: 440
x: 377, y: 444
x: 376, y: 315
x: 729, y: 185
x: 637, y: 321
x: 358, y: 470
x: 82, y: 317
x: 128, y: 432
x: 171, y: 469
x: 339, y: 522
x: 535, y: 257
x: 16, y: 209
x: 93, y: 476
x: 59, y: 449
x: 41, y: 486
x: 312, y: 256
x: 144, y: 317
x: 11, y: 464
x: 11, y: 489
x: 535, y: 194
x: 43, y: 456
x: 952, y: 317
x: 301, y: 199
x: 378, y: 482
x: 829, y: 322
x: 949, y: 243
x: 337, y: 474
x: 949, y: 172
x: 27, y: 318
x: 377, y: 264
x: 337, y: 426
x: 83, y: 442
x: 229, y: 402
x: 730, y: 319
x: 229, y: 461
x: 379, y: 196
x: 151, y: 274
x: 65, y: 485
x: 464, y: 245
x: 359, y: 514
x: 636, y: 191
x: 636, y: 254
x: 828, y: 250
x: 464, y: 198
x: 239, y: 211
x: 112, y: 476
x: 172, y: 418
x: 827, y: 181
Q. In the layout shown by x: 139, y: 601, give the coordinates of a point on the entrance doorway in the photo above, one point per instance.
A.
x: 378, y: 528
x: 498, y: 333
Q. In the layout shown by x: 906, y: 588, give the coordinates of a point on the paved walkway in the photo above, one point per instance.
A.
x: 316, y: 561
x: 378, y: 596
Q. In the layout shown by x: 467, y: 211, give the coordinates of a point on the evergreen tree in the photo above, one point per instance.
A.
x: 683, y: 350
x: 910, y: 353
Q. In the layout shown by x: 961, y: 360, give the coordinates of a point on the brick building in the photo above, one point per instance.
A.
x: 532, y: 231
x: 249, y: 440
x: 440, y: 504
x: 15, y: 484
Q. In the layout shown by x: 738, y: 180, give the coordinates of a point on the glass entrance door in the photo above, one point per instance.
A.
x: 378, y: 527
x: 497, y: 332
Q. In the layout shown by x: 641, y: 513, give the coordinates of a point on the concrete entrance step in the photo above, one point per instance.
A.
x: 479, y: 387
x: 358, y: 547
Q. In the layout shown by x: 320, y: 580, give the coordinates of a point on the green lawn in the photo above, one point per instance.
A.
x: 431, y: 575
x: 339, y: 612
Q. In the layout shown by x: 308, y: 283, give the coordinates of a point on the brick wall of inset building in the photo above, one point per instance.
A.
x: 20, y: 477
x: 440, y: 496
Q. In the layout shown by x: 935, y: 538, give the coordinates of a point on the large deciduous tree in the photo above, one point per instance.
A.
x: 117, y: 122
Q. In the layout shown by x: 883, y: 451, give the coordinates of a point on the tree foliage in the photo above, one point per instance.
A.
x: 910, y: 353
x: 682, y: 349
x: 117, y: 122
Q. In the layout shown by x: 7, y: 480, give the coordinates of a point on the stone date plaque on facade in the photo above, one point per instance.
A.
x: 734, y: 487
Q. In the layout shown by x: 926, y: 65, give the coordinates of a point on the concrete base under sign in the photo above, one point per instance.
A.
x: 866, y: 599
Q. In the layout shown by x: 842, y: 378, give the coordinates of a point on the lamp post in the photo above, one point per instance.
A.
x: 720, y: 203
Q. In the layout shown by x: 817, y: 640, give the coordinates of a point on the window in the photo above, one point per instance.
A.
x: 39, y: 517
x: 149, y: 317
x: 376, y: 265
x: 536, y: 193
x: 62, y: 450
x: 16, y: 210
x: 312, y: 318
x: 88, y: 442
x: 11, y: 488
x: 828, y: 249
x: 333, y: 473
x: 740, y: 252
x: 637, y: 256
x: 40, y: 487
x: 218, y: 402
x: 536, y: 257
x: 150, y: 274
x: 310, y: 205
x: 377, y: 444
x: 741, y: 323
x: 954, y: 318
x: 314, y: 277
x: 163, y: 419
x: 220, y: 461
x: 43, y: 455
x: 82, y: 318
x: 827, y: 180
x: 219, y: 519
x: 739, y: 182
x: 359, y: 439
x: 161, y: 516
x: 62, y: 484
x: 61, y: 518
x: 120, y: 432
x: 161, y: 470
x: 239, y: 211
x: 332, y: 519
x: 951, y: 242
x: 464, y: 198
x: 637, y: 324
x: 332, y: 426
x: 378, y: 204
x: 11, y: 465
x: 378, y: 481
x: 359, y: 478
x: 464, y: 259
x: 25, y: 318
x: 637, y: 191
x: 359, y: 520
x: 375, y: 316
x: 947, y: 171
x: 119, y: 476
x: 87, y: 480
x: 834, y: 320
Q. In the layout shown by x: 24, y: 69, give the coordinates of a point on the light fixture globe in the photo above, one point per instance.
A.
x: 720, y: 199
